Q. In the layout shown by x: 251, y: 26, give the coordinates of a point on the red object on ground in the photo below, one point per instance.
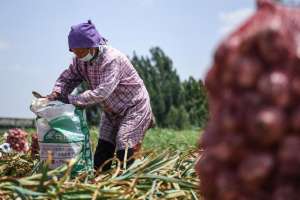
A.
x: 17, y: 140
x: 34, y: 147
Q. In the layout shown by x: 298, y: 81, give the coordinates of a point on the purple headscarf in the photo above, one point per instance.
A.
x: 85, y: 35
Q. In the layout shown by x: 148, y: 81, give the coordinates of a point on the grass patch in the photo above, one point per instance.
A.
x: 161, y: 139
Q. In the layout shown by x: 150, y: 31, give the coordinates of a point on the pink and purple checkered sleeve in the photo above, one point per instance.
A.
x: 67, y: 81
x: 109, y: 78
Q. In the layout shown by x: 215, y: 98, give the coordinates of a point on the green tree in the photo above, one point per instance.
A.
x: 195, y: 101
x: 178, y: 118
x: 162, y: 82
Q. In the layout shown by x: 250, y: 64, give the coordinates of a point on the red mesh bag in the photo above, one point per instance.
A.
x: 252, y: 141
x: 17, y: 139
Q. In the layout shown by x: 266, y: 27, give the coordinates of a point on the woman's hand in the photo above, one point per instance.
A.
x: 55, y: 96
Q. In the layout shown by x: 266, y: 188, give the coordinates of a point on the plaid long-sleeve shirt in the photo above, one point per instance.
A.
x: 115, y: 85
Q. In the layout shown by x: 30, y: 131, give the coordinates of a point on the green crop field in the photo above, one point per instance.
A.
x: 163, y: 170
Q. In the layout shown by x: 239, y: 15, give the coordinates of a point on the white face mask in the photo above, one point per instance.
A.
x: 87, y: 58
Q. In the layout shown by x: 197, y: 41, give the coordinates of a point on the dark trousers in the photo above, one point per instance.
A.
x: 105, y: 151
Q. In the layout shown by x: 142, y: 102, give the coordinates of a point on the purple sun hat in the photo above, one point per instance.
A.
x: 85, y: 35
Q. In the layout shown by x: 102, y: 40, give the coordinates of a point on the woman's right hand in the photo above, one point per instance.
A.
x: 53, y: 96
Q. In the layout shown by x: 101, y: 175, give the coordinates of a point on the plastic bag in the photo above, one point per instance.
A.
x: 62, y: 130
